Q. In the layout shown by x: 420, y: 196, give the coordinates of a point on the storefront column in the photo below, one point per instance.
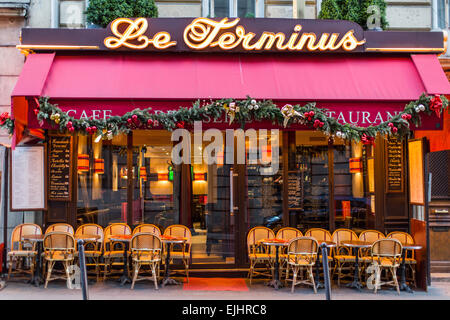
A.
x: 331, y: 206
x: 130, y: 180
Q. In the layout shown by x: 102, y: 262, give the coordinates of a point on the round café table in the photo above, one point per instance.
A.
x: 170, y: 240
x: 356, y: 245
x: 277, y: 243
x: 125, y: 239
x: 329, y: 244
x: 403, y: 285
x: 37, y: 277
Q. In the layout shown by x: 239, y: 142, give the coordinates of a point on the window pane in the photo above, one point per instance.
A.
x: 246, y: 8
x: 102, y: 192
x: 308, y: 185
x: 221, y: 8
x: 353, y: 186
x: 157, y: 181
x: 441, y: 13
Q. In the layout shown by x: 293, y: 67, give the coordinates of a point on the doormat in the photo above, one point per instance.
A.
x: 216, y: 284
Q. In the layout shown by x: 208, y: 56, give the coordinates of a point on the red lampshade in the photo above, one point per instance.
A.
x: 99, y: 166
x: 83, y: 163
x: 200, y: 176
x: 355, y: 165
x: 163, y: 177
x: 143, y: 173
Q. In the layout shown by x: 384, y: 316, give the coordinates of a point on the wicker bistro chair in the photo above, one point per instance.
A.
x: 286, y: 233
x: 92, y: 249
x: 23, y: 250
x: 113, y: 250
x: 58, y: 247
x: 343, y: 257
x: 302, y: 254
x: 365, y: 256
x: 387, y: 254
x: 148, y: 228
x: 60, y: 227
x: 321, y: 235
x: 146, y: 250
x: 258, y: 253
x: 410, y: 259
x: 180, y: 251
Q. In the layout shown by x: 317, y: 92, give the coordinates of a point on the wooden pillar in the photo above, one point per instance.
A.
x: 130, y: 180
x: 331, y: 205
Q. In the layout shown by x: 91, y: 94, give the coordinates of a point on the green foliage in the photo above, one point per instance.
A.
x: 102, y: 12
x: 354, y: 10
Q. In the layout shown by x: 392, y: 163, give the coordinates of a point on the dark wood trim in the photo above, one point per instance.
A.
x: 331, y: 204
x: 285, y: 164
x: 130, y: 180
x: 380, y: 176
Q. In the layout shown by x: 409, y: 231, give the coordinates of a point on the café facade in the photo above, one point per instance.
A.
x: 84, y: 96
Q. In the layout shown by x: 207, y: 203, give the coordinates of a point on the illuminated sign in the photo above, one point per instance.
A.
x: 225, y: 34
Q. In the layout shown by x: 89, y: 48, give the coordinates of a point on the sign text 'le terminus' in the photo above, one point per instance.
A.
x: 222, y: 34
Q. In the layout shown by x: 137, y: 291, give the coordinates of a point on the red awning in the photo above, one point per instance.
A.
x: 262, y: 76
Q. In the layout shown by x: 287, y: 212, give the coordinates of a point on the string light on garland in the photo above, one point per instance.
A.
x: 241, y: 111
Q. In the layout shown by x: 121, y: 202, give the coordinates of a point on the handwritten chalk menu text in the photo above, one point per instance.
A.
x: 28, y: 178
x: 394, y: 165
x: 60, y: 168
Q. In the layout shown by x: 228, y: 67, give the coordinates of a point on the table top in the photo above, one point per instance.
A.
x: 411, y: 246
x: 92, y: 237
x: 356, y: 244
x: 33, y: 237
x: 274, y: 242
x: 121, y: 237
x: 327, y: 243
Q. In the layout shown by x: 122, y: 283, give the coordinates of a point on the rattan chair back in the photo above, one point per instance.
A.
x: 288, y: 233
x: 319, y: 234
x: 178, y: 230
x: 60, y: 227
x: 343, y: 234
x: 22, y: 230
x: 371, y: 235
x: 114, y: 229
x: 147, y: 228
x: 387, y: 249
x: 257, y: 234
x: 59, y: 242
x: 401, y: 236
x: 145, y: 241
x: 90, y: 229
x: 303, y: 245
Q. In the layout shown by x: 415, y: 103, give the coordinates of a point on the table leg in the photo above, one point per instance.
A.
x: 319, y: 284
x: 167, y: 280
x: 356, y: 284
x: 124, y: 278
x: 37, y: 278
x: 276, y: 283
x: 403, y: 285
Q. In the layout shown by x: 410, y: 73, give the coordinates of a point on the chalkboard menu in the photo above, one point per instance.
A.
x: 60, y: 173
x: 295, y: 194
x: 394, y: 165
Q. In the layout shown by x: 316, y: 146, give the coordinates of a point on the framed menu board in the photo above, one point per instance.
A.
x: 416, y: 175
x: 27, y: 181
x: 394, y: 165
x: 59, y: 169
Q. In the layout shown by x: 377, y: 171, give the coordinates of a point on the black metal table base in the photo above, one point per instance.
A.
x: 169, y: 281
x: 277, y: 284
x: 355, y: 284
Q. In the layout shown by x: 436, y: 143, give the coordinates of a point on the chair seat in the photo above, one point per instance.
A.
x: 261, y: 256
x: 22, y: 253
x: 114, y: 254
x: 146, y: 258
x: 385, y: 262
x: 58, y: 256
x: 179, y: 255
x: 299, y: 262
x: 345, y: 258
x: 410, y: 261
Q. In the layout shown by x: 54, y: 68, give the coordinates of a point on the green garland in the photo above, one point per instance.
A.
x: 242, y: 111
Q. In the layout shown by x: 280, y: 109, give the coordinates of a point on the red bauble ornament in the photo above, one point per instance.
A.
x: 180, y: 124
x: 394, y: 130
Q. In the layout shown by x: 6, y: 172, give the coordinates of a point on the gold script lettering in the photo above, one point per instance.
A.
x: 135, y: 31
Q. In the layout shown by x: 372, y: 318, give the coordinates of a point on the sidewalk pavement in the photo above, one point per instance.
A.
x: 144, y: 290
